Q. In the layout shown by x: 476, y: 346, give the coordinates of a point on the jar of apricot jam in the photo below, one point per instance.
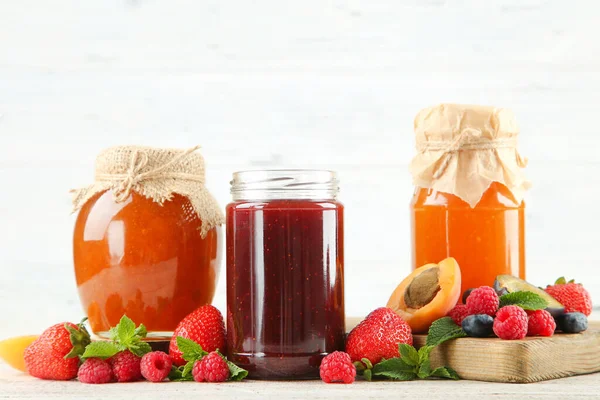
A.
x: 142, y: 246
x: 285, y: 272
x: 468, y: 202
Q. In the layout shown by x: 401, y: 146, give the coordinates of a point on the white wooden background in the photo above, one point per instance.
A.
x: 312, y: 83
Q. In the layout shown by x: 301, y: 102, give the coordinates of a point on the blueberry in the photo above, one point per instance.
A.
x: 479, y: 325
x: 466, y: 294
x: 573, y: 322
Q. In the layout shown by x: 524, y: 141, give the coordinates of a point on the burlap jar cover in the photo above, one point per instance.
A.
x: 156, y: 174
x: 463, y: 149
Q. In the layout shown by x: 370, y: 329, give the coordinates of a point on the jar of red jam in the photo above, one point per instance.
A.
x: 285, y: 272
x: 147, y: 238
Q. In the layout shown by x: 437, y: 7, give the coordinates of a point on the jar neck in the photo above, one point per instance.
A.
x: 291, y: 184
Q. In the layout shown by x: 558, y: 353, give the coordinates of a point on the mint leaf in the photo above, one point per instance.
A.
x: 395, y: 368
x: 176, y: 375
x: 445, y: 372
x: 187, y: 369
x: 125, y: 330
x: 392, y: 365
x: 525, y: 300
x: 140, y: 348
x: 424, y: 353
x: 236, y: 373
x: 102, y: 350
x: 424, y: 369
x: 141, y: 331
x: 442, y: 330
x: 409, y: 354
x: 191, y: 351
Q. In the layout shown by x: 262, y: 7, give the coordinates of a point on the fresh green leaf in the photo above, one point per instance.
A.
x: 424, y: 353
x: 560, y: 281
x: 359, y: 366
x: 187, y: 369
x: 395, y: 368
x: 442, y: 330
x: 191, y: 351
x: 392, y: 365
x: 140, y: 348
x: 125, y: 330
x: 236, y: 373
x: 79, y: 338
x: 409, y: 354
x: 368, y: 374
x: 525, y: 300
x: 100, y: 349
x: 424, y: 369
x: 445, y: 372
x: 141, y: 331
x: 367, y: 363
x: 113, y: 334
x: 176, y: 375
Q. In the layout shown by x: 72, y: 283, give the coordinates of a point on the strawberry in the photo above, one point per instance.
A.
x: 204, y: 326
x: 378, y: 336
x: 54, y: 355
x: 571, y: 295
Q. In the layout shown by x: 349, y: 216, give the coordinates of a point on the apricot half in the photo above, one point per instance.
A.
x: 427, y: 294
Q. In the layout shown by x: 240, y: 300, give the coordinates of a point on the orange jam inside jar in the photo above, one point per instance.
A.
x: 486, y: 241
x: 150, y: 258
x: 468, y: 202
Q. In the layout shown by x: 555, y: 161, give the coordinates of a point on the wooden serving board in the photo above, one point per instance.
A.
x: 520, y: 361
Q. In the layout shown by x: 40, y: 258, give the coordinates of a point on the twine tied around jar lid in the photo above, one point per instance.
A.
x: 463, y: 149
x: 157, y: 174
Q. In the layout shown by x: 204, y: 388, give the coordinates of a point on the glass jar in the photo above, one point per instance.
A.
x: 285, y: 272
x: 468, y: 202
x: 146, y: 240
x: 487, y: 240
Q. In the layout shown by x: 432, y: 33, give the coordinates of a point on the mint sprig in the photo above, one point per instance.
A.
x: 193, y: 352
x: 413, y: 363
x: 124, y: 336
x: 525, y: 300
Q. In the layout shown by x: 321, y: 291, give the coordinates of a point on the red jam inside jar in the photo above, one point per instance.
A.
x: 285, y: 279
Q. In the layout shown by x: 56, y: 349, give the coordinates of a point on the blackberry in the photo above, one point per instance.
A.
x: 479, y: 325
x: 466, y: 294
x: 573, y: 322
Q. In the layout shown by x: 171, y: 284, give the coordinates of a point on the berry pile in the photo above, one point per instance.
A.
x: 484, y: 313
x: 65, y: 351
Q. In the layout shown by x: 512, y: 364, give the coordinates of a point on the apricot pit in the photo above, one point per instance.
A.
x: 427, y: 294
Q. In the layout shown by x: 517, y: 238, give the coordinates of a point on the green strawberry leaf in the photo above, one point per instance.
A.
x: 367, y: 363
x: 560, y: 281
x: 525, y: 300
x: 359, y: 366
x: 79, y: 338
x: 445, y: 372
x: 368, y: 374
x: 409, y: 354
x: 100, y: 349
x: 191, y: 351
x: 442, y: 330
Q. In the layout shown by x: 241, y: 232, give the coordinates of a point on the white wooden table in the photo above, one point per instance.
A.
x: 15, y: 385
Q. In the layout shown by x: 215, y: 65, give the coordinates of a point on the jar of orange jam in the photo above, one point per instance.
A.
x: 468, y: 202
x: 147, y: 239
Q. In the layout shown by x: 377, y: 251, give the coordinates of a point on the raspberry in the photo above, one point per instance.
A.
x: 337, y: 368
x: 483, y: 300
x: 95, y: 370
x: 541, y: 323
x: 156, y: 366
x: 510, y: 323
x: 212, y: 368
x: 458, y: 313
x: 126, y: 366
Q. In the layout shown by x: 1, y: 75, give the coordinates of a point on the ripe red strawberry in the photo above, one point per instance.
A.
x: 378, y: 336
x: 54, y: 355
x: 204, y: 326
x: 571, y: 295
